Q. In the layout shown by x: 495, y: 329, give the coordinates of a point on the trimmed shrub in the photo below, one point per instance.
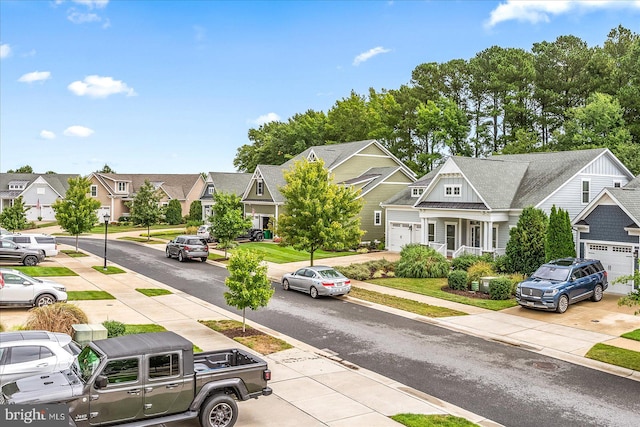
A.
x: 355, y: 271
x: 114, y: 328
x: 417, y: 261
x: 500, y: 288
x: 458, y: 280
x: 58, y: 317
x: 194, y: 223
x: 501, y: 264
x: 463, y: 262
x: 192, y: 230
x: 478, y: 270
x: 173, y: 214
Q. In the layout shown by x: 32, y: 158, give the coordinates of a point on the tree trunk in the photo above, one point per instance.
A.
x: 76, y: 243
x: 148, y: 232
x: 243, y: 321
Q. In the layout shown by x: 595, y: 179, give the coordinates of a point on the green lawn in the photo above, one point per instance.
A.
x: 403, y: 303
x: 73, y: 254
x: 131, y: 329
x: 110, y: 269
x: 433, y: 288
x: 99, y: 229
x: 615, y: 356
x: 46, y: 271
x: 421, y: 420
x: 153, y: 292
x: 273, y: 252
x: 89, y: 295
x: 143, y: 240
x: 165, y: 235
x: 633, y: 335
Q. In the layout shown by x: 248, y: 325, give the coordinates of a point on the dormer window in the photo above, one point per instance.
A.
x: 259, y: 187
x: 417, y: 192
x: 452, y: 191
x: 312, y: 157
x: 17, y: 185
x: 210, y: 190
x: 122, y: 187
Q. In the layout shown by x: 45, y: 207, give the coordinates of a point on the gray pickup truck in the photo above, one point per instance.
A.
x: 148, y: 379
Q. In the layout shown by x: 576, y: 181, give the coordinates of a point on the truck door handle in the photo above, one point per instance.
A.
x: 170, y: 386
x: 148, y: 389
x: 135, y: 391
x: 42, y: 365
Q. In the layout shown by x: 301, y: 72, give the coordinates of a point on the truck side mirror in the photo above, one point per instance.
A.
x: 100, y: 382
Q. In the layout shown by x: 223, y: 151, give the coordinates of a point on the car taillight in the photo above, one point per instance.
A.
x: 347, y: 282
x: 266, y: 374
x: 328, y: 284
x: 187, y: 248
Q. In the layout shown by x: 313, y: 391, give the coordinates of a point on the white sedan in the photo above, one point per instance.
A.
x: 25, y: 353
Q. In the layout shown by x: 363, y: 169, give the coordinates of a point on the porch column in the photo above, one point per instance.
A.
x: 424, y: 231
x: 489, y: 247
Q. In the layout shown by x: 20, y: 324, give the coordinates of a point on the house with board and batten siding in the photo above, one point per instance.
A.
x: 468, y: 205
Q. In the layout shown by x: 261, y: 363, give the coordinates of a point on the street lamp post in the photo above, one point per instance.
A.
x: 106, y: 226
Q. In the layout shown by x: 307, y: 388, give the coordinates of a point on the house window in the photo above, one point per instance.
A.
x: 586, y: 184
x: 431, y: 230
x: 416, y: 192
x: 452, y: 191
x: 617, y: 184
x: 94, y: 191
x: 210, y: 190
x: 122, y: 187
x: 494, y: 238
x: 259, y: 188
x: 377, y: 218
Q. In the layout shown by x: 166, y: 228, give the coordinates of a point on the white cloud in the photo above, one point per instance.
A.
x: 535, y: 11
x: 100, y: 87
x: 265, y: 118
x: 98, y: 4
x: 47, y: 134
x: 79, y: 131
x: 5, y: 50
x: 36, y: 76
x: 365, y: 56
x: 82, y: 18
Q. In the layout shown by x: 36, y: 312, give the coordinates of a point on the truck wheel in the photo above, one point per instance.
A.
x: 30, y: 260
x: 45, y: 299
x: 597, y: 293
x: 219, y: 411
x: 180, y: 257
x: 563, y: 304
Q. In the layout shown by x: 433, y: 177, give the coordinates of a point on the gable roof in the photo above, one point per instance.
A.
x: 374, y: 177
x: 628, y: 199
x: 634, y: 183
x: 175, y: 186
x: 57, y: 181
x: 273, y: 178
x: 228, y: 182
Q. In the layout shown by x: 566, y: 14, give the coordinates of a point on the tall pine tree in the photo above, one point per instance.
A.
x: 559, y: 239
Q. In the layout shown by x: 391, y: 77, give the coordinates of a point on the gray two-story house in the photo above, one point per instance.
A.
x: 38, y: 191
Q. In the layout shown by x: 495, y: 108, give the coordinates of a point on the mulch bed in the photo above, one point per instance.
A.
x: 237, y: 332
x: 469, y: 294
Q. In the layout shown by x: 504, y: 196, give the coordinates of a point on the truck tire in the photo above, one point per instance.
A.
x: 219, y: 410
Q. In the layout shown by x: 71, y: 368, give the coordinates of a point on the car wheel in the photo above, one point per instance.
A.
x: 44, y: 254
x: 219, y: 411
x: 260, y: 237
x: 597, y: 293
x: 285, y: 284
x: 180, y: 257
x: 313, y: 292
x: 30, y: 260
x: 203, y: 259
x: 167, y: 253
x: 45, y: 299
x: 563, y: 304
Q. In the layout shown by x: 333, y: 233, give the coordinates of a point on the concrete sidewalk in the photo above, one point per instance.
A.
x: 306, y: 381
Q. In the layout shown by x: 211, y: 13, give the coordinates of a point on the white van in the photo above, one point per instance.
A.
x: 39, y: 242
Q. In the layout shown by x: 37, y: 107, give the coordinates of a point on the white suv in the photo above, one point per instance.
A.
x: 25, y: 353
x: 18, y: 289
x: 42, y: 243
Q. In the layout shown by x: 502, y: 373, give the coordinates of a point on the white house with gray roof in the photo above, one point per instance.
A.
x: 470, y: 204
x: 609, y: 230
x: 222, y: 182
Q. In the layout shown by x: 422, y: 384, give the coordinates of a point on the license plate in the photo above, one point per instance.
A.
x: 530, y: 303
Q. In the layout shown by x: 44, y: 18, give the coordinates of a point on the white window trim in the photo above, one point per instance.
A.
x: 259, y: 188
x: 377, y: 217
x: 453, y: 188
x: 121, y: 187
x: 582, y: 192
x: 417, y: 192
x: 210, y: 190
x: 617, y: 183
x: 93, y: 191
x: 434, y: 231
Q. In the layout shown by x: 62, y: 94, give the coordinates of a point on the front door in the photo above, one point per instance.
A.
x: 475, y: 235
x: 121, y: 399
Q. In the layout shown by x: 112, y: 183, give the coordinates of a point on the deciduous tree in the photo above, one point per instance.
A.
x: 145, y: 208
x: 76, y: 213
x: 249, y: 286
x: 227, y: 220
x: 22, y: 169
x: 318, y: 214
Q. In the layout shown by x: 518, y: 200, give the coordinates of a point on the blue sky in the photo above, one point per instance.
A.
x: 174, y: 86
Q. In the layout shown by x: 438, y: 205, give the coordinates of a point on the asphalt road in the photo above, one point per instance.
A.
x: 509, y: 385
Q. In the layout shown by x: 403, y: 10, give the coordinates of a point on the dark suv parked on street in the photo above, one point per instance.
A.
x: 561, y: 282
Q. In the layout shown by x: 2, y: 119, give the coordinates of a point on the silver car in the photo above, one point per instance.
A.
x: 18, y: 289
x: 317, y: 281
x: 25, y: 353
x: 188, y: 247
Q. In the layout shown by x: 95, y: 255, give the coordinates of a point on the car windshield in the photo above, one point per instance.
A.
x: 330, y: 274
x: 88, y: 361
x: 547, y: 272
x: 195, y: 242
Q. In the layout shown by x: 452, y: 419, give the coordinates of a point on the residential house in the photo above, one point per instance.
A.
x: 222, y: 182
x: 609, y: 230
x: 365, y: 165
x: 38, y: 191
x: 114, y: 190
x: 470, y: 204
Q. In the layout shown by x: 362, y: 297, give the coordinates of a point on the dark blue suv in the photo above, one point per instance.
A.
x: 561, y: 282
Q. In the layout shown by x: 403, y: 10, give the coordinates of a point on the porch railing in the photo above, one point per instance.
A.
x: 466, y: 250
x: 441, y: 248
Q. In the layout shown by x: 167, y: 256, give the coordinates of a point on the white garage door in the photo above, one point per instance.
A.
x: 399, y: 235
x: 617, y: 260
